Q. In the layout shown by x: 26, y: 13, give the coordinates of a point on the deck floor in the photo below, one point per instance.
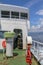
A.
x: 18, y: 59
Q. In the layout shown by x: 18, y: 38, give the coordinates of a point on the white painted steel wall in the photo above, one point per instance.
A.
x: 11, y: 24
x: 7, y: 7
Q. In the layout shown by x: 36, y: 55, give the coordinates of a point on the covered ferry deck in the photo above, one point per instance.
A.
x: 18, y: 59
x: 19, y: 56
x: 9, y: 21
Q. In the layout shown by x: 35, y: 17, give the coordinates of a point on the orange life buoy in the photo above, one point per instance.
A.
x: 4, y: 43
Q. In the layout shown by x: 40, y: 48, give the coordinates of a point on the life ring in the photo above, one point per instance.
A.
x: 4, y: 43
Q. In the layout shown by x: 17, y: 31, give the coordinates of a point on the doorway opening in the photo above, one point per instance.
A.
x: 18, y: 39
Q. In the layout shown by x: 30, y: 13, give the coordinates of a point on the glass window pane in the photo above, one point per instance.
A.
x: 2, y: 34
x: 14, y: 14
x: 5, y: 14
x: 24, y: 16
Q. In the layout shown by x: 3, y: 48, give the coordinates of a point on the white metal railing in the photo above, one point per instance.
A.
x: 37, y: 50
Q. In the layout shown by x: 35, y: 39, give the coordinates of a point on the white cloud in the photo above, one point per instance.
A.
x: 38, y: 27
x: 40, y: 12
x: 32, y: 2
x: 33, y: 27
x: 41, y: 21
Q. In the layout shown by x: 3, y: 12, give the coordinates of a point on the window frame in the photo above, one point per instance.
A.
x: 5, y: 14
x: 14, y: 14
x: 23, y: 15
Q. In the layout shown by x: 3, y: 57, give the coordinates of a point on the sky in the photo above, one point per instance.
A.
x: 35, y: 12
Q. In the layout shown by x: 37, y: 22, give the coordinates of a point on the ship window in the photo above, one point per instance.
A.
x: 2, y: 34
x: 5, y: 14
x: 24, y: 16
x: 14, y: 14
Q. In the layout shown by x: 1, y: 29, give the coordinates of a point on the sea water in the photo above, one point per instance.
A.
x: 37, y: 36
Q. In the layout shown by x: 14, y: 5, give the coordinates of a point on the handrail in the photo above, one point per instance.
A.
x: 38, y: 42
x: 37, y: 51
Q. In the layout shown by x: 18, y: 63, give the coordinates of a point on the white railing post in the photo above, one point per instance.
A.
x: 34, y: 46
x: 38, y: 51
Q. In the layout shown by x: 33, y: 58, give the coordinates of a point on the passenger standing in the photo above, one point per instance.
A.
x: 28, y: 51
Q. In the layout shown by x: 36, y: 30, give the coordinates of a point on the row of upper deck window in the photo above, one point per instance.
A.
x: 7, y: 14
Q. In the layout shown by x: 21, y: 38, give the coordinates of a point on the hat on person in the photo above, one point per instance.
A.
x: 29, y: 40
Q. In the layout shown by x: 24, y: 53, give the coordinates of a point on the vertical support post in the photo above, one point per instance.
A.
x: 38, y: 51
x: 34, y: 46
